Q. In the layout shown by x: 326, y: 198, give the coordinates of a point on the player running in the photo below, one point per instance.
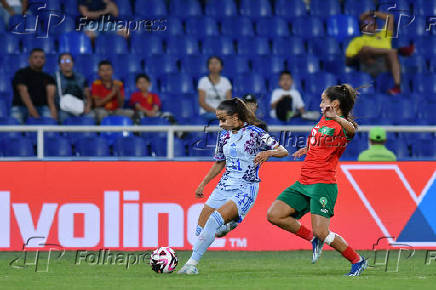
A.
x: 241, y: 148
x: 316, y: 189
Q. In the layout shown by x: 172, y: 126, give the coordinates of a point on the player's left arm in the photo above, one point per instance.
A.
x: 345, y: 124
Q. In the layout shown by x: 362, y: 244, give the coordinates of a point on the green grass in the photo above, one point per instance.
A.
x: 222, y: 270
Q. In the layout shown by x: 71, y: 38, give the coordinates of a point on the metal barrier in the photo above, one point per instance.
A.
x: 172, y: 129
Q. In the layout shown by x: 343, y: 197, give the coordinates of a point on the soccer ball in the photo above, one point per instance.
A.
x: 163, y: 260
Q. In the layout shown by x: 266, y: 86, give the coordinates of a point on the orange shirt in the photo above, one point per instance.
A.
x: 98, y: 90
x: 326, y: 144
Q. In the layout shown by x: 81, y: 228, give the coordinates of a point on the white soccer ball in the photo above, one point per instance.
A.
x: 163, y: 260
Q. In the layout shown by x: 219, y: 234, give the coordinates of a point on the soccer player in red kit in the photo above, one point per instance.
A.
x: 316, y: 189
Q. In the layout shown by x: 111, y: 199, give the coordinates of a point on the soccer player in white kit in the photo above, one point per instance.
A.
x: 241, y: 148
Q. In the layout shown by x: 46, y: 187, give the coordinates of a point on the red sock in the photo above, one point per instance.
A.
x: 305, y: 233
x: 351, y: 255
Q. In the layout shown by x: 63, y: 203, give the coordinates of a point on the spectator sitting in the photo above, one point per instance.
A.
x: 377, y: 150
x: 251, y: 102
x: 108, y: 94
x: 146, y: 103
x: 71, y: 82
x: 12, y: 7
x: 286, y: 101
x: 373, y: 50
x: 213, y: 89
x: 34, y: 90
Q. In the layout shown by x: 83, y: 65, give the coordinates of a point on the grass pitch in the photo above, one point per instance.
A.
x: 221, y: 270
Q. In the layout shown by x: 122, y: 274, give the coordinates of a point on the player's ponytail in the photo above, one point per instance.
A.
x: 346, y: 95
x: 237, y: 106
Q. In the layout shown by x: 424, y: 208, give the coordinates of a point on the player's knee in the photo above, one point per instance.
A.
x: 272, y: 216
x: 321, y: 233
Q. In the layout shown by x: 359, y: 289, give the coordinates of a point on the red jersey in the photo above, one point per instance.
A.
x: 326, y: 144
x: 147, y: 102
x: 98, y: 90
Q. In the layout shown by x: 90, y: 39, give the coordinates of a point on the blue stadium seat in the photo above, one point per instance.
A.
x: 9, y: 121
x: 115, y: 121
x: 6, y: 84
x: 185, y: 8
x: 154, y: 121
x: 159, y: 65
x: 304, y: 64
x: 353, y: 149
x: 423, y: 7
x: 67, y: 25
x: 272, y: 27
x: 71, y: 6
x: 308, y: 27
x: 2, y: 27
x: 416, y: 28
x: 253, y: 46
x: 57, y: 147
x: 181, y: 106
x: 174, y: 27
x: 424, y: 148
x: 426, y: 113
x: 366, y: 109
x: 425, y: 46
x: 316, y: 83
x: 47, y: 121
x: 221, y: 8
x: 79, y: 121
x: 267, y: 65
x: 324, y: 7
x: 4, y: 109
x: 249, y: 83
x: 424, y: 83
x: 108, y: 44
x: 87, y: 64
x: 177, y: 84
x: 400, y: 112
x: 92, y: 147
x: 384, y: 82
x: 235, y: 64
x: 195, y: 65
x: 124, y: 64
x: 130, y: 146
x: 357, y: 79
x: 323, y: 46
x: 335, y: 63
x: 150, y: 8
x: 145, y: 44
x: 413, y: 64
x: 217, y: 45
x: 399, y: 147
x: 182, y: 45
x: 51, y: 63
x: 18, y: 147
x: 15, y: 62
x: 47, y: 44
x: 342, y: 26
x: 255, y: 8
x: 201, y: 26
x: 10, y: 44
x: 352, y: 7
x: 75, y: 43
x: 288, y: 45
x: 237, y: 27
x: 124, y: 8
x: 289, y: 8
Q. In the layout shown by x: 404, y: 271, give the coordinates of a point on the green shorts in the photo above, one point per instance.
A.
x: 319, y: 198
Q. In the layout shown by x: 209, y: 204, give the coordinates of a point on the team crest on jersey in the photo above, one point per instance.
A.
x: 327, y: 131
x: 323, y: 201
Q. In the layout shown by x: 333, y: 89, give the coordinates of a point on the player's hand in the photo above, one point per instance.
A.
x: 329, y: 112
x: 261, y: 157
x: 199, y: 191
x: 299, y: 153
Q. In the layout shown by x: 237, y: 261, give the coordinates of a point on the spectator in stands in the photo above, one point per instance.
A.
x: 73, y: 83
x: 12, y: 7
x: 34, y: 90
x: 373, y: 50
x: 108, y: 94
x: 213, y: 89
x: 286, y: 101
x: 377, y: 150
x: 251, y: 102
x: 97, y: 10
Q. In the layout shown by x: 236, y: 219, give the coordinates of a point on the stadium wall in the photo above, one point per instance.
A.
x: 137, y: 205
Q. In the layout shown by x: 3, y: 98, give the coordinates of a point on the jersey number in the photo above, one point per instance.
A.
x: 235, y: 164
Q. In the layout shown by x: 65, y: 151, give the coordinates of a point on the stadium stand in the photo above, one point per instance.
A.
x: 256, y: 40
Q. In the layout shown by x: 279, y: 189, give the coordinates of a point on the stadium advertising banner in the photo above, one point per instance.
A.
x: 137, y: 205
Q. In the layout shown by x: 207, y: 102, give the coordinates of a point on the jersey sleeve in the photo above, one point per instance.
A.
x: 266, y: 141
x: 219, y: 151
x: 203, y: 84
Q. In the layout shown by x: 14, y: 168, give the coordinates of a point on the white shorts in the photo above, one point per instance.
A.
x: 243, y: 197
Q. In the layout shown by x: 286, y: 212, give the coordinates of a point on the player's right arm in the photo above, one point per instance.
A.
x: 216, y: 168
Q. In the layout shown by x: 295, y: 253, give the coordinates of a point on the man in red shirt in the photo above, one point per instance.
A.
x: 108, y: 94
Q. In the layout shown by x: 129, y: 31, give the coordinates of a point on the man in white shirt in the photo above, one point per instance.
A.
x: 213, y: 89
x: 287, y: 89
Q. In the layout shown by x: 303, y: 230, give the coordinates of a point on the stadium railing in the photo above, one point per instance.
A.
x: 171, y: 130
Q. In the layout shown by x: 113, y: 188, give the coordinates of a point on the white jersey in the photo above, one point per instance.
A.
x: 239, y: 150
